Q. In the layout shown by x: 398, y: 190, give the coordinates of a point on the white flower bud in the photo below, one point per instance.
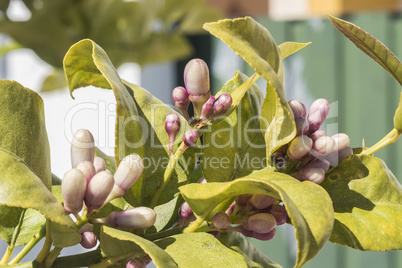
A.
x: 136, y: 218
x: 261, y: 223
x: 299, y: 147
x: 87, y: 169
x: 73, y: 187
x: 82, y: 147
x: 98, y: 190
x: 99, y: 164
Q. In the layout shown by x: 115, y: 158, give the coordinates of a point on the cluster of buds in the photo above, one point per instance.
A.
x: 197, y: 91
x: 312, y: 149
x: 89, y: 186
x: 253, y: 215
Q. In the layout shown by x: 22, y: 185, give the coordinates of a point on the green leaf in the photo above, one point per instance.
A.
x: 251, y: 41
x: 23, y: 222
x: 202, y: 249
x: 118, y: 244
x: 288, y: 48
x: 254, y: 257
x: 276, y: 121
x: 256, y: 46
x: 235, y: 146
x: 139, y: 124
x: 31, y: 264
x: 367, y: 200
x: 78, y: 260
x: 25, y: 177
x: 371, y: 46
x: 54, y: 81
x: 308, y: 205
x: 398, y: 116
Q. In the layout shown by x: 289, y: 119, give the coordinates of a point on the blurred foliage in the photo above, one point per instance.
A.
x: 142, y: 31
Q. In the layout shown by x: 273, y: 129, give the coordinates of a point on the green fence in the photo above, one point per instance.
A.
x: 333, y: 68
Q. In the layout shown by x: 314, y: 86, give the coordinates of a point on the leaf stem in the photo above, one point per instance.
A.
x: 35, y: 239
x: 110, y: 261
x: 10, y: 248
x: 46, y: 246
x: 168, y: 172
x: 52, y: 256
x: 7, y: 255
x: 391, y: 137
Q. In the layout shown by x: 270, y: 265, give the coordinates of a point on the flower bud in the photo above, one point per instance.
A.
x: 298, y: 108
x: 318, y: 133
x: 196, y: 79
x: 98, y: 190
x: 190, y: 137
x: 172, y: 127
x: 220, y: 220
x: 230, y: 209
x: 264, y: 237
x: 138, y: 263
x: 261, y: 201
x: 87, y: 169
x: 342, y: 141
x: 82, y: 147
x: 317, y: 114
x: 202, y: 180
x: 301, y: 126
x: 221, y: 105
x: 181, y: 100
x: 128, y: 172
x: 280, y: 214
x: 185, y: 213
x: 242, y: 199
x: 88, y: 240
x: 99, y: 164
x: 73, y: 187
x: 319, y: 163
x: 261, y: 223
x: 315, y: 175
x: 299, y: 147
x: 136, y: 218
x: 206, y: 109
x: 323, y: 145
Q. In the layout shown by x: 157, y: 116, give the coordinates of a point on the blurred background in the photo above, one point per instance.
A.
x: 150, y: 41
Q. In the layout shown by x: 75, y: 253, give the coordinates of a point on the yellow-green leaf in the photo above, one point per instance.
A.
x: 308, y: 205
x: 367, y: 200
x: 288, y: 48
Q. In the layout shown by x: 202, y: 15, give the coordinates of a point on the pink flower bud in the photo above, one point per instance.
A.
x: 88, y: 240
x: 206, y: 109
x: 318, y: 133
x: 242, y: 199
x: 261, y: 223
x: 319, y: 163
x: 230, y: 209
x: 181, y: 100
x: 264, y: 237
x: 301, y: 126
x: 172, y: 127
x: 98, y: 190
x: 99, y: 164
x: 280, y: 214
x: 190, y: 137
x: 317, y: 114
x: 138, y: 263
x: 87, y: 169
x: 196, y: 79
x: 185, y: 213
x: 221, y: 105
x: 299, y: 147
x: 315, y: 175
x: 82, y: 147
x: 220, y: 220
x: 298, y: 108
x: 342, y: 141
x: 323, y: 145
x: 128, y: 172
x: 136, y: 218
x: 73, y: 187
x: 261, y: 201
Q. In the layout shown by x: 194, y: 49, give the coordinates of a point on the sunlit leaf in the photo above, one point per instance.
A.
x: 367, y: 200
x: 308, y: 205
x: 288, y: 48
